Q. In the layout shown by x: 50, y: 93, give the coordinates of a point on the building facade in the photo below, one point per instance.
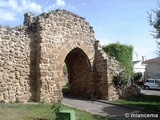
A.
x: 152, y: 69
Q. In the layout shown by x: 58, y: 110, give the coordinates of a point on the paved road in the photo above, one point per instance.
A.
x: 149, y: 92
x: 104, y: 109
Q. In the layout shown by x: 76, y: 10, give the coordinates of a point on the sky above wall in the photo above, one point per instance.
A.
x: 124, y: 21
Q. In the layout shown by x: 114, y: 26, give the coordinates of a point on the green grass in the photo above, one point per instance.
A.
x: 39, y: 111
x: 151, y: 102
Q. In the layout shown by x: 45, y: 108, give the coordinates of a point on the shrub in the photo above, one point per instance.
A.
x: 120, y: 81
x: 56, y: 109
x: 123, y: 54
x: 137, y: 76
x: 65, y: 88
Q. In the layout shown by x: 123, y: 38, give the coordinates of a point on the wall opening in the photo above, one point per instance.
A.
x: 79, y: 73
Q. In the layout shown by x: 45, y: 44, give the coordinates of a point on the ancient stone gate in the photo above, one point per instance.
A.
x: 32, y: 59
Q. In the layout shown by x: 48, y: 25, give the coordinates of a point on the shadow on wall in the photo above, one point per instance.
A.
x: 79, y: 73
x: 33, y: 66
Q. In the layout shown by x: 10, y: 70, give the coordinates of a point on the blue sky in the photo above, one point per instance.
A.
x: 124, y: 21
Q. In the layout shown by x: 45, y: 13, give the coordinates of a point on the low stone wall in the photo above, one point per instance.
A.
x: 130, y: 91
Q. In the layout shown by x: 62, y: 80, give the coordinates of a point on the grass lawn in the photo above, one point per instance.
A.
x: 39, y: 111
x: 150, y: 102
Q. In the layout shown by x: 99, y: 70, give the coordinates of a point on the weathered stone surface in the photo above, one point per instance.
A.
x: 130, y: 91
x: 32, y: 59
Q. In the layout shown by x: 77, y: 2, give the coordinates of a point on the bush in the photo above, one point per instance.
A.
x: 65, y: 88
x: 120, y: 80
x: 137, y: 76
x: 123, y: 54
x: 56, y: 109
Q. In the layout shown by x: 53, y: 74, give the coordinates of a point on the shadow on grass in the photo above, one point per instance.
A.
x: 119, y: 112
x: 150, y: 102
x: 151, y: 107
x: 97, y: 117
x: 144, y: 98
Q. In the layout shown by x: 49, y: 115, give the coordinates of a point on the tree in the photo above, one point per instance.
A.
x: 154, y: 20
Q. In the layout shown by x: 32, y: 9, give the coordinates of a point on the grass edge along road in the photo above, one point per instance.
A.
x: 40, y: 111
x: 150, y: 102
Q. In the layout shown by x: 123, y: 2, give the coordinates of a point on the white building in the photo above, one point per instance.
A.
x: 152, y: 68
x: 139, y: 67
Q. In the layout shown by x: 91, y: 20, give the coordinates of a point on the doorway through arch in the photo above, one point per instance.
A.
x: 79, y: 73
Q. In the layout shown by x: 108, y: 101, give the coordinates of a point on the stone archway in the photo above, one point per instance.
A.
x: 79, y: 73
x: 69, y: 54
x: 60, y: 33
x: 32, y: 69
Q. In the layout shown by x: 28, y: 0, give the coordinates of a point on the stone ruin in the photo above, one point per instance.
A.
x: 32, y: 57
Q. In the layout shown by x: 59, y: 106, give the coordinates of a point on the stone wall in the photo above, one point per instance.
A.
x: 130, y: 91
x: 59, y: 33
x: 106, y: 68
x: 17, y: 63
x: 32, y: 59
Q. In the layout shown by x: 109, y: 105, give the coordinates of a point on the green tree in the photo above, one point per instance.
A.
x: 123, y: 54
x: 154, y: 20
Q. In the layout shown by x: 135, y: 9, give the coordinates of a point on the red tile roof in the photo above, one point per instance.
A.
x: 154, y: 60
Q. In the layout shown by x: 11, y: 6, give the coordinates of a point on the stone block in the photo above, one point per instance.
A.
x: 43, y: 73
x: 57, y: 92
x: 3, y: 89
x: 44, y: 61
x: 26, y: 96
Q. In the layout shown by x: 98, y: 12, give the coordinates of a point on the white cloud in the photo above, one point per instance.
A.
x: 24, y: 4
x: 11, y: 4
x: 7, y: 15
x: 20, y: 6
x: 12, y: 8
x: 50, y: 7
x: 35, y: 7
x: 60, y: 3
x: 3, y: 3
x: 57, y: 4
x: 28, y: 5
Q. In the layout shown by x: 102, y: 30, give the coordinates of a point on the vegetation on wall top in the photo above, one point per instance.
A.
x: 122, y: 53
